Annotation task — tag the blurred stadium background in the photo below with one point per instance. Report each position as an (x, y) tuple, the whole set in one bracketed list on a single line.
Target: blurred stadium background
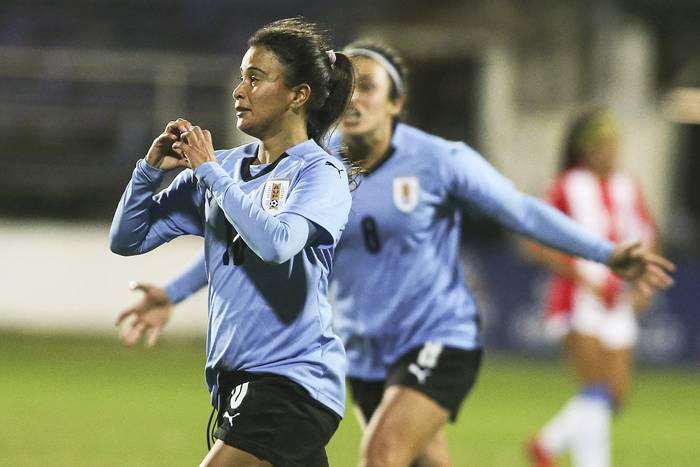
[(85, 86)]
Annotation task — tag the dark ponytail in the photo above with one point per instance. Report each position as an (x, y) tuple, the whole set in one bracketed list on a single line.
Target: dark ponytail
[(302, 48), (340, 86)]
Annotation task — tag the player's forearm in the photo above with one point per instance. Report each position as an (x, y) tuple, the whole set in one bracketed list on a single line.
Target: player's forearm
[(188, 282), (130, 233), (553, 260), (273, 239), (545, 224)]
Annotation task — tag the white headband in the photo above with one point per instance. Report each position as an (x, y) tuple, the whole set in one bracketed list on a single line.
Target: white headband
[(386, 64)]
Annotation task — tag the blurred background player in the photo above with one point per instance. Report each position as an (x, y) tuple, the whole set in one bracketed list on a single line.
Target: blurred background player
[(270, 213), (409, 324), (589, 307)]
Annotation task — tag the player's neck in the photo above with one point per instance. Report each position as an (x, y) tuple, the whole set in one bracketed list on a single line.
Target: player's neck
[(370, 148), (273, 145)]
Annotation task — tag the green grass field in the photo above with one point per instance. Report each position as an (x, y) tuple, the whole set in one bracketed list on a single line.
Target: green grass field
[(88, 401)]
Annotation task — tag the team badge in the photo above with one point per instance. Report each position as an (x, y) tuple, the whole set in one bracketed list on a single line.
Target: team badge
[(406, 193), (274, 195)]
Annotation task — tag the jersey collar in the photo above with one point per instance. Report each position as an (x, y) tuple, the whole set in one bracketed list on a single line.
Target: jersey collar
[(300, 149)]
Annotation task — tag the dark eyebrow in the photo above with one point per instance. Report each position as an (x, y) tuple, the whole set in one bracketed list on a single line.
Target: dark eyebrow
[(252, 68)]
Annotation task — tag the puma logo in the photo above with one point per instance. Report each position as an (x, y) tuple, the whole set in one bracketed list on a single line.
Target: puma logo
[(230, 417), (420, 373), (336, 168)]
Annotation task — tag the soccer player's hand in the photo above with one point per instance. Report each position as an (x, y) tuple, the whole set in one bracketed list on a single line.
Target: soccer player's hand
[(150, 314), (647, 271), (161, 155), (195, 145)]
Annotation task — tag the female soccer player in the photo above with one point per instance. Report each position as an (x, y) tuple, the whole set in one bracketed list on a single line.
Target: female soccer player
[(409, 323), (270, 213), (589, 307)]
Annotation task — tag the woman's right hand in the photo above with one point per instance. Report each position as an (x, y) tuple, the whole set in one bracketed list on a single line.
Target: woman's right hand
[(149, 315), (161, 154), (646, 271)]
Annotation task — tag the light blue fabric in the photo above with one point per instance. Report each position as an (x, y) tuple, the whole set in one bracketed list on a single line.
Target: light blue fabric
[(412, 289), (273, 239), (268, 310), (188, 282)]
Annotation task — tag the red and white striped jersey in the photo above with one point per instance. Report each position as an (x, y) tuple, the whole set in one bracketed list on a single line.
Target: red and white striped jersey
[(611, 207)]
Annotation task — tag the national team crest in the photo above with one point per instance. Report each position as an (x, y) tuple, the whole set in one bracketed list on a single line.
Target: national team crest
[(275, 195), (406, 193)]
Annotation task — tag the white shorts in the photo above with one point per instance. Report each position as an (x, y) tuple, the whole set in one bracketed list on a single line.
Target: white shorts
[(616, 328)]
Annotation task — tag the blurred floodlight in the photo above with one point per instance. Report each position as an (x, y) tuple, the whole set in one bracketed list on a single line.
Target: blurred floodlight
[(682, 105)]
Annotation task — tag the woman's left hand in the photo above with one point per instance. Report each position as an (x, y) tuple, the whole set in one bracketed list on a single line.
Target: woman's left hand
[(647, 271), (196, 146)]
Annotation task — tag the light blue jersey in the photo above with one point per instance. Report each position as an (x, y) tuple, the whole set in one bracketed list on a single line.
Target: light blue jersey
[(263, 316), (398, 281)]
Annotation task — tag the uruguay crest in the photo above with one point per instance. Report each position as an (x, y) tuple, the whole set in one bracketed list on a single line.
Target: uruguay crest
[(406, 193), (275, 195)]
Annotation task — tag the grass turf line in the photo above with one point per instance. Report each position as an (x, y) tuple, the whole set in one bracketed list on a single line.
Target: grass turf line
[(87, 400)]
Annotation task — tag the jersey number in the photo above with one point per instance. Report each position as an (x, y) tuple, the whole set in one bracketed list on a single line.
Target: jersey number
[(237, 395), (371, 235), (235, 246), (429, 354)]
